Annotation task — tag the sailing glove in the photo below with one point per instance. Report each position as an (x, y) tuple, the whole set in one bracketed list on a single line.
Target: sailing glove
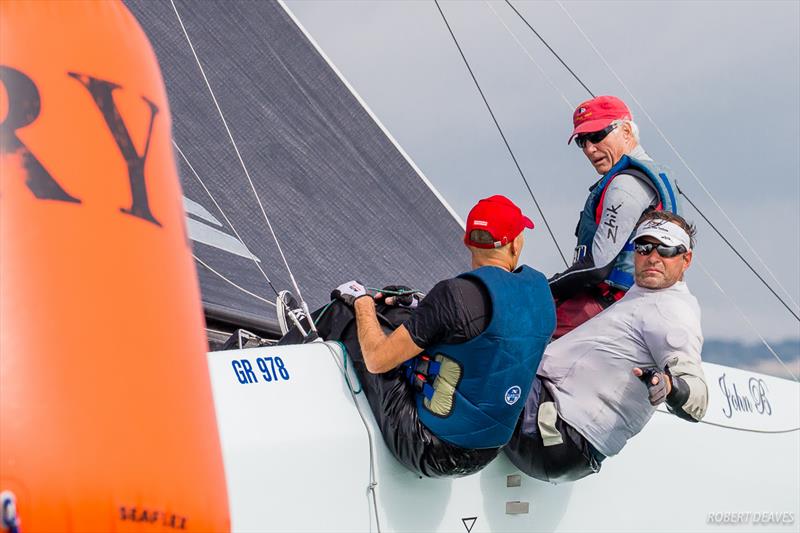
[(657, 393), (401, 296), (349, 292)]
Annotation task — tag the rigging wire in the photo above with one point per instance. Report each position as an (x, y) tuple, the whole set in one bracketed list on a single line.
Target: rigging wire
[(222, 212), (549, 48), (254, 295), (714, 281), (500, 130), (738, 254), (246, 172), (747, 320), (527, 52), (291, 315), (680, 157)]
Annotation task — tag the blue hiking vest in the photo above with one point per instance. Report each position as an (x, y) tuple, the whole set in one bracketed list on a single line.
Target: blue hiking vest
[(621, 276), (471, 394)]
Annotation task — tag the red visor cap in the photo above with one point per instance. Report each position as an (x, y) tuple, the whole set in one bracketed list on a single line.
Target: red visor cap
[(500, 217), (597, 113)]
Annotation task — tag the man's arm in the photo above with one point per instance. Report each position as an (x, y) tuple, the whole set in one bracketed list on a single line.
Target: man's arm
[(381, 352), (625, 201), (672, 333), (583, 272), (689, 396)]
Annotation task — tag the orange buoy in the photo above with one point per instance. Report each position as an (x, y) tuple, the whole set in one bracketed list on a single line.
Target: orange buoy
[(106, 415)]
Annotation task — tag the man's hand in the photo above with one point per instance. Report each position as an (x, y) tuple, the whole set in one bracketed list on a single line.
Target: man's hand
[(349, 292), (400, 296), (658, 383)]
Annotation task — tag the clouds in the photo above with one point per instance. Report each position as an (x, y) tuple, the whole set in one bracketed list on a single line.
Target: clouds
[(721, 79)]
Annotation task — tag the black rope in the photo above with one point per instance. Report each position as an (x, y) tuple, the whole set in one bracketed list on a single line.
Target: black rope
[(550, 48), (767, 431), (499, 129), (753, 270)]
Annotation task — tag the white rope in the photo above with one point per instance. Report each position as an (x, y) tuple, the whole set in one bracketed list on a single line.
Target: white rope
[(254, 295), (675, 151), (222, 212), (372, 479), (241, 160), (524, 49), (747, 320), (290, 312)]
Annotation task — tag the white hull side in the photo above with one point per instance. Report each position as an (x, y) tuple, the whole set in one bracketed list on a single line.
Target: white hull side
[(297, 459)]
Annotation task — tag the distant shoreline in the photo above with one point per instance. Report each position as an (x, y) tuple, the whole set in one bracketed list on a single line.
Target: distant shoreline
[(754, 355)]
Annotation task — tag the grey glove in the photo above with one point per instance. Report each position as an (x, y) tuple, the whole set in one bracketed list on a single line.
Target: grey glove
[(349, 292), (657, 393)]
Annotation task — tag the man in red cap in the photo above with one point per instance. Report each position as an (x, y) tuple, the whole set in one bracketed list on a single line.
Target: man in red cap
[(444, 375), (631, 184)]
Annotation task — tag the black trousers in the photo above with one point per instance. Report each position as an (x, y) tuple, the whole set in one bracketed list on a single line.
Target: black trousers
[(393, 401), (572, 459)]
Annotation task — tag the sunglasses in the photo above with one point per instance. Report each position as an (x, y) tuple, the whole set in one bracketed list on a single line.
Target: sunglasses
[(663, 250), (595, 136)]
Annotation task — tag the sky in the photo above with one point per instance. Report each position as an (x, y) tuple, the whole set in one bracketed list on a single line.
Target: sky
[(720, 79)]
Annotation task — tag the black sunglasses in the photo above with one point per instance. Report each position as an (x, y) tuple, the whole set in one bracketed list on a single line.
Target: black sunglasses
[(595, 136), (663, 250)]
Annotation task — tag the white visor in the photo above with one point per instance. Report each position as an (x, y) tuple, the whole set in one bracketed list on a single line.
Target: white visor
[(666, 232)]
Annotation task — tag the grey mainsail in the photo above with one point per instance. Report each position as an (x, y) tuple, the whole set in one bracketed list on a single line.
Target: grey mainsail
[(343, 200)]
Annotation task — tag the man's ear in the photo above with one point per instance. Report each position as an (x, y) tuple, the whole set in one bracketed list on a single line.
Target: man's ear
[(516, 245), (687, 260), (627, 130)]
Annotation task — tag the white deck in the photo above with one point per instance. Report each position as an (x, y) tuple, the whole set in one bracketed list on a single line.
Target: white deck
[(297, 459)]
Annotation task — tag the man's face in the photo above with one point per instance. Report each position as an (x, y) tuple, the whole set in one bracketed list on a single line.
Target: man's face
[(655, 272), (606, 153)]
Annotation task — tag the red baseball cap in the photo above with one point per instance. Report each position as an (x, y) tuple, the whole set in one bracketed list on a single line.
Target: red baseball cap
[(598, 113), (500, 217)]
